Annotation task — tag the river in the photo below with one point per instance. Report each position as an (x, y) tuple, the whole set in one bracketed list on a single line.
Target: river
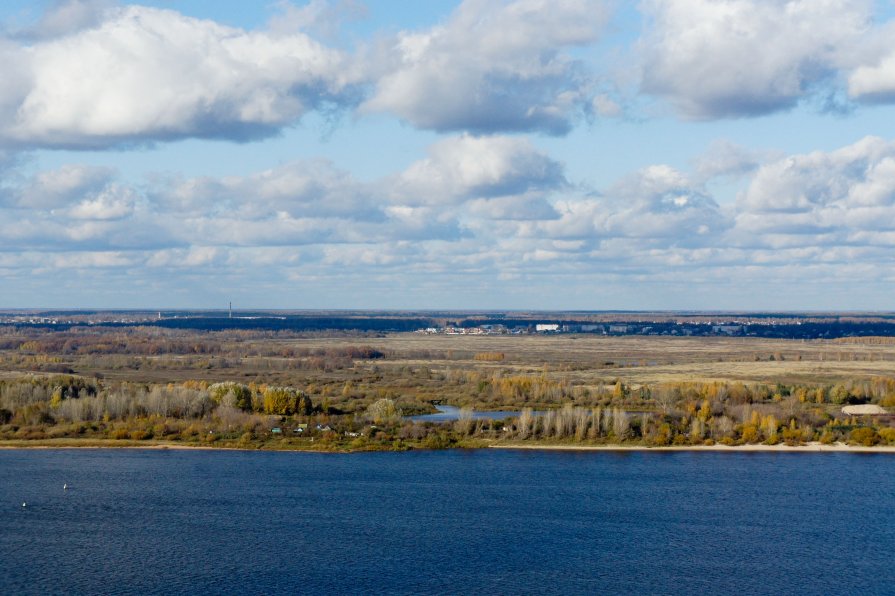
[(443, 522)]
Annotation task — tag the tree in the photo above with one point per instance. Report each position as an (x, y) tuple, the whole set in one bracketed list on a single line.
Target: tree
[(383, 411), (285, 401), (464, 421), (865, 436), (235, 395), (526, 422)]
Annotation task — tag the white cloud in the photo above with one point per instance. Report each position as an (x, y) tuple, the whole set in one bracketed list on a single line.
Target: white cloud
[(319, 16), (872, 78), (823, 216), (493, 66), (465, 167), (844, 195), (312, 188), (142, 74), (727, 160), (65, 17), (60, 187), (732, 58), (113, 202)]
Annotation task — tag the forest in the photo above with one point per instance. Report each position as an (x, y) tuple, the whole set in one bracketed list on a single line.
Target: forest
[(358, 391)]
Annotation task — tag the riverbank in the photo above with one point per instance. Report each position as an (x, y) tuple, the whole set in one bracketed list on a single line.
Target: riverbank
[(153, 445), (814, 447)]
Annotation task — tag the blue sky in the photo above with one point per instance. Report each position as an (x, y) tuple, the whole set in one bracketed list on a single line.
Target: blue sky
[(499, 154)]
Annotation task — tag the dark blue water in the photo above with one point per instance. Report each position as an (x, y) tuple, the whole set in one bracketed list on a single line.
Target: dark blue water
[(487, 521)]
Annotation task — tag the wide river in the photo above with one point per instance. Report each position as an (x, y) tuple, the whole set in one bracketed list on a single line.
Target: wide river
[(490, 521)]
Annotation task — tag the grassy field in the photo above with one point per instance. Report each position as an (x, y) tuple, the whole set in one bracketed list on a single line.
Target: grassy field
[(582, 359), (351, 391), (639, 360)]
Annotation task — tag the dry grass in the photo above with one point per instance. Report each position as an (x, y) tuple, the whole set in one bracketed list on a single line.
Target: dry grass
[(637, 360), (587, 360)]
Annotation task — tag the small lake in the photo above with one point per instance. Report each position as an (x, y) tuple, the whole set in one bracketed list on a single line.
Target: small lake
[(445, 522), (452, 413)]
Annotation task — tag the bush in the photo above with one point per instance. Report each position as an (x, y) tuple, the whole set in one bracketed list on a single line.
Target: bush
[(864, 436), (120, 433), (888, 435), (662, 436)]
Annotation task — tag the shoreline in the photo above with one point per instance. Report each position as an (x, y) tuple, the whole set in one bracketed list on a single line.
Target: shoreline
[(782, 448), (813, 447)]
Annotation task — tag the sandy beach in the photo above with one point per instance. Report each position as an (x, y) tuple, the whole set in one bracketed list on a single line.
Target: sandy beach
[(814, 447), (807, 448)]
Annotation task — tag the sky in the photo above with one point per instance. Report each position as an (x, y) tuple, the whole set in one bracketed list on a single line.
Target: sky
[(448, 154)]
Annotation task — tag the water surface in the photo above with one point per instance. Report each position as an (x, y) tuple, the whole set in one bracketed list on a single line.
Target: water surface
[(452, 413), (487, 521)]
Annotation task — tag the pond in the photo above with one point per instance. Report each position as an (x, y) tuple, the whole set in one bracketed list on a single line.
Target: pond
[(452, 413)]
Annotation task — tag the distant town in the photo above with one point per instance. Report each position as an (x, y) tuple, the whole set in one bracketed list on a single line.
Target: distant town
[(680, 324), (616, 329)]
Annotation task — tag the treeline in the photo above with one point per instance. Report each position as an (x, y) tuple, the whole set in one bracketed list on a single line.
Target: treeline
[(657, 415), (68, 343), (519, 390), (707, 425), (75, 399)]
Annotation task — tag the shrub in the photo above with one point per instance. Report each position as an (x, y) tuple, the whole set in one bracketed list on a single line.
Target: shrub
[(750, 434), (887, 434), (864, 436), (490, 356), (662, 436)]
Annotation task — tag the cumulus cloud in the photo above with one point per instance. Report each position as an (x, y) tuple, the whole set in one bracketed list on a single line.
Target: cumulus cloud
[(660, 202), (64, 17), (844, 195), (509, 217), (726, 160), (312, 188), (872, 76), (113, 202), (494, 66), (320, 16), (465, 167), (95, 74), (733, 58), (60, 187), (136, 74)]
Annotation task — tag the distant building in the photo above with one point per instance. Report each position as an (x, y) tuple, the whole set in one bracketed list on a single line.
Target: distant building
[(618, 329), (546, 327), (727, 329)]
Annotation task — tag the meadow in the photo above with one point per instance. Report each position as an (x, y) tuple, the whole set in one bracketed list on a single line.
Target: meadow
[(354, 390)]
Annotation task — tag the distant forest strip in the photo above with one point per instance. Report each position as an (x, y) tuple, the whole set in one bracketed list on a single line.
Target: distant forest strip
[(810, 328)]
